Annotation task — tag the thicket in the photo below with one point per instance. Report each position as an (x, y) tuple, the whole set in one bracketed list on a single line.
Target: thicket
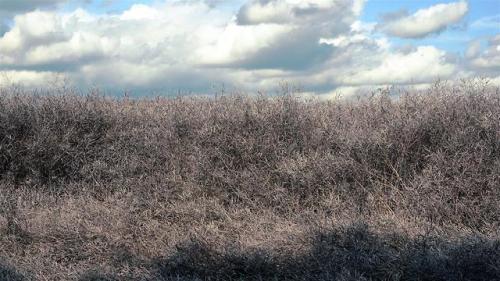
[(434, 156)]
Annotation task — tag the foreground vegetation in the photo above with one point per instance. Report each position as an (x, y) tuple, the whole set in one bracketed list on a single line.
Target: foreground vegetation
[(251, 188)]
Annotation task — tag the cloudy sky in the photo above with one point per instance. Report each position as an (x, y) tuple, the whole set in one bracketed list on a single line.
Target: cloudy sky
[(323, 46)]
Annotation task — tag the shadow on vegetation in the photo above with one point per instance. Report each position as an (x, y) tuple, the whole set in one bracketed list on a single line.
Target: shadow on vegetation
[(8, 273), (96, 276), (352, 253)]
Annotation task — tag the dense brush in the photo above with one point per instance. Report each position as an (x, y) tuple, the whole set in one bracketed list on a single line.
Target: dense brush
[(220, 188)]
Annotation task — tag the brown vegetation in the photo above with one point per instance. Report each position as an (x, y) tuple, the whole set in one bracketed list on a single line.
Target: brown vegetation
[(251, 188)]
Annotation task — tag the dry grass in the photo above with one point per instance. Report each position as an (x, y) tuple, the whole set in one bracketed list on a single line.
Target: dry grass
[(251, 188)]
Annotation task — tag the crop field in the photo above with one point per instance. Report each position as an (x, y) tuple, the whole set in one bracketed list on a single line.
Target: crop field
[(258, 187)]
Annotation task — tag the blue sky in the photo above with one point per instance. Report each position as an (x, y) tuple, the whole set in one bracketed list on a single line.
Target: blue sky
[(453, 39), (324, 46)]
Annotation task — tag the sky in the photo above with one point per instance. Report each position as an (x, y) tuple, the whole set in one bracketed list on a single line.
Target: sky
[(323, 47)]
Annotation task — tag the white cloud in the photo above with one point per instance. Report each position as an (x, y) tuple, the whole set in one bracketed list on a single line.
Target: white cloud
[(421, 65), (26, 78), (32, 29), (39, 38), (236, 42), (426, 21), (141, 12), (489, 59), (81, 45), (344, 40), (495, 81), (321, 45)]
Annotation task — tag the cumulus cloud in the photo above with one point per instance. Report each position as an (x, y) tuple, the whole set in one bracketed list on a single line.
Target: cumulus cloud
[(282, 34), (191, 45), (163, 37), (143, 45), (418, 66), (26, 77), (297, 11), (487, 60), (32, 29), (424, 22)]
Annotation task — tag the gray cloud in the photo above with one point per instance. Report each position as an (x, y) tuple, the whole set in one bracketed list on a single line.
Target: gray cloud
[(4, 27), (293, 52), (394, 15), (289, 12), (16, 6), (306, 22)]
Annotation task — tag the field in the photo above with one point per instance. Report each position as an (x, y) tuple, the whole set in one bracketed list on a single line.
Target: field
[(251, 187)]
